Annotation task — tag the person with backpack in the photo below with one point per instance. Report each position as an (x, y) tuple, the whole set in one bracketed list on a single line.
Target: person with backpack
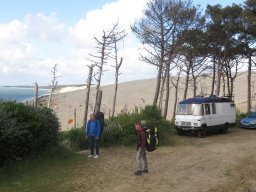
[(93, 130), (141, 150)]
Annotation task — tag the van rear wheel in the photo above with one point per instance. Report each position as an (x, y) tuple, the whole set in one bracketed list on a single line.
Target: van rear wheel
[(225, 129), (202, 132)]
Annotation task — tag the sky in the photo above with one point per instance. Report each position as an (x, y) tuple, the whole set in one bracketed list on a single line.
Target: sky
[(37, 34)]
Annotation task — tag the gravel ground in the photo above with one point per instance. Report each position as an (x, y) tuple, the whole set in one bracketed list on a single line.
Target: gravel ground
[(192, 164)]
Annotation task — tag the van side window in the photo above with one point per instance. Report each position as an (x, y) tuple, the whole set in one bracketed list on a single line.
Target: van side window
[(207, 109), (213, 108)]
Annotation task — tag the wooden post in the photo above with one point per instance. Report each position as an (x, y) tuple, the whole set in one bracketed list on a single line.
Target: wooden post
[(36, 94), (75, 118)]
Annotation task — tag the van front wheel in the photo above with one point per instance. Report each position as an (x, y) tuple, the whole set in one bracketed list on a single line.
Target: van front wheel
[(202, 132)]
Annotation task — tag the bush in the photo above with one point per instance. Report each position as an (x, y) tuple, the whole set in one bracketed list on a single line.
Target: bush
[(25, 131), (120, 130)]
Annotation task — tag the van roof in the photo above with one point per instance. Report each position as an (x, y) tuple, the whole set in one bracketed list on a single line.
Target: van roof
[(210, 99)]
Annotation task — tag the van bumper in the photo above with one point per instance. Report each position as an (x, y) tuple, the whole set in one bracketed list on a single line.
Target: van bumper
[(187, 128)]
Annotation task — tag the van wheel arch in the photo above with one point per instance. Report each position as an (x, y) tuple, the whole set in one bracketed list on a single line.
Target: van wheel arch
[(202, 131)]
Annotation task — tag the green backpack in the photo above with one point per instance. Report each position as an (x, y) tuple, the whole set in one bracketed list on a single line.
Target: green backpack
[(152, 135)]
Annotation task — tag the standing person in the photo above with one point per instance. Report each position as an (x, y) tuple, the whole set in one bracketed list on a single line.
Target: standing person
[(141, 150), (93, 133)]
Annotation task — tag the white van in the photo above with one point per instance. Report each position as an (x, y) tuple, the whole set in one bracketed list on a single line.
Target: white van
[(201, 114)]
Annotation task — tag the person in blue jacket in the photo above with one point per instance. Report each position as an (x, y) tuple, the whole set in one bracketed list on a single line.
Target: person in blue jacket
[(93, 133)]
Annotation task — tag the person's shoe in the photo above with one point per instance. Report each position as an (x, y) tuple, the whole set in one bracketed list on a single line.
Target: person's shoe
[(96, 156), (90, 156), (138, 173), (144, 171)]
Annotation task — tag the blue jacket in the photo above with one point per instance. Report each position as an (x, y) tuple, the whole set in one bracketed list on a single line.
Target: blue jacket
[(93, 128)]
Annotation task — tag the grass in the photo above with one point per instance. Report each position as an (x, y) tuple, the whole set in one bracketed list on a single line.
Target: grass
[(45, 174)]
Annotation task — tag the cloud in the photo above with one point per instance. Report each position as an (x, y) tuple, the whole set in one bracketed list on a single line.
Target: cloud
[(28, 47), (96, 21), (44, 27), (12, 32)]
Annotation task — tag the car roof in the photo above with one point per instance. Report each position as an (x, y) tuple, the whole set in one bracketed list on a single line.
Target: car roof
[(210, 99)]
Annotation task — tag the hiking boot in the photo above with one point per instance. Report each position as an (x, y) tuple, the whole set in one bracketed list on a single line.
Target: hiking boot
[(138, 173), (144, 171), (96, 156), (90, 156)]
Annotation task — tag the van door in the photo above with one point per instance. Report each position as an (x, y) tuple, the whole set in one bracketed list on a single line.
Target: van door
[(207, 114)]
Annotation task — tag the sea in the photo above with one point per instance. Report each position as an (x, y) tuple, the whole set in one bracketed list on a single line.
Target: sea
[(20, 94)]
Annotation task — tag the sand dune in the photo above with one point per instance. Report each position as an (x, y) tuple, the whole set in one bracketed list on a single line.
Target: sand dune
[(130, 95)]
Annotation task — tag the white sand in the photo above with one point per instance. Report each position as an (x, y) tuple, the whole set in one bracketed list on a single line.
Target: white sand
[(70, 89)]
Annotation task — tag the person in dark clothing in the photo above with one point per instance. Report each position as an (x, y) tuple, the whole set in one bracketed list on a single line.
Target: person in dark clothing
[(93, 133), (141, 150)]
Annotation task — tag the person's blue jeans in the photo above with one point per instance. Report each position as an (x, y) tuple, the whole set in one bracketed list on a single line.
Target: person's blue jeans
[(94, 143)]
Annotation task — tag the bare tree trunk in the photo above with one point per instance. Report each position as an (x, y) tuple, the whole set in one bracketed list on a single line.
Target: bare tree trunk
[(36, 95), (158, 84), (176, 85), (88, 89), (167, 91), (114, 99), (219, 74), (194, 86), (213, 74), (186, 82), (224, 85), (100, 69), (117, 67), (249, 84), (161, 98), (50, 98), (98, 101)]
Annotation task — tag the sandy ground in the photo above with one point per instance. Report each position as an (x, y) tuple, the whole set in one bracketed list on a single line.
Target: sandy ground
[(193, 164), (130, 95)]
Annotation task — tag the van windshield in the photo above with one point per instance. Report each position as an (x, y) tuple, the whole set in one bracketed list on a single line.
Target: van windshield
[(190, 109)]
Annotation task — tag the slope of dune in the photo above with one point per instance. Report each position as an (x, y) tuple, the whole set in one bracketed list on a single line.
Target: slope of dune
[(133, 94)]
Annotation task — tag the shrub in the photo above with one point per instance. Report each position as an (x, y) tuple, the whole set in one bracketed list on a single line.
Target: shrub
[(74, 139), (120, 129), (25, 131)]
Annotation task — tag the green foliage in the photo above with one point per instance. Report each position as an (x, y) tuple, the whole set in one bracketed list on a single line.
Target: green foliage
[(74, 139), (120, 130), (151, 113), (25, 131)]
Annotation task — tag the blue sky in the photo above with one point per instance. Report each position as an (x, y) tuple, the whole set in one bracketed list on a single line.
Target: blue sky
[(36, 34)]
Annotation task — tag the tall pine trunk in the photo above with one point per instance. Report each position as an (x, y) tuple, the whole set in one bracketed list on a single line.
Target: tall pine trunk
[(167, 91), (249, 84)]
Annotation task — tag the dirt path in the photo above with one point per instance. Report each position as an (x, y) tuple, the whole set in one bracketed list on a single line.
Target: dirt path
[(214, 163)]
